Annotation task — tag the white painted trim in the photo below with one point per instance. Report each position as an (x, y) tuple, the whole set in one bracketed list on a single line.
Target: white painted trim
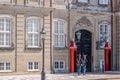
[(59, 65), (32, 66)]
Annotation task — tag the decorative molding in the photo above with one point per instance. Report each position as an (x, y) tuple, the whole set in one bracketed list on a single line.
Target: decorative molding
[(84, 21)]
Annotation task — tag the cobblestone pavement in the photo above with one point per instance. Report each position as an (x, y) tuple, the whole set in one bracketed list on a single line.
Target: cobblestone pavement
[(64, 77)]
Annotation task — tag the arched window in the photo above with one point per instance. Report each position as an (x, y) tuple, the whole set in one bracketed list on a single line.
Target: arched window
[(59, 33), (104, 34), (32, 32), (5, 31)]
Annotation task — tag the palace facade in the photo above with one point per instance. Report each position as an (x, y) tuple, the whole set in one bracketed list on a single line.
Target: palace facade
[(21, 22)]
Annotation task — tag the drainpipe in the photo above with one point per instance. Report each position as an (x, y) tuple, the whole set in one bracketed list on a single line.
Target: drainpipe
[(112, 17), (15, 42), (68, 16), (51, 47)]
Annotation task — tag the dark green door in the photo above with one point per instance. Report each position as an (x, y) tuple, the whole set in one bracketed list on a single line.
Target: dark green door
[(84, 46)]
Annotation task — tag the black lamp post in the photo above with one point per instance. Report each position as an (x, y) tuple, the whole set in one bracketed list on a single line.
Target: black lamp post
[(43, 33), (78, 35)]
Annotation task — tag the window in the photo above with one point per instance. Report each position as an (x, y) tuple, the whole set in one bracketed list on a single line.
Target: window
[(5, 31), (104, 34), (32, 66), (34, 2), (103, 2), (59, 33), (7, 1), (33, 25), (5, 67), (59, 65), (83, 1), (59, 1)]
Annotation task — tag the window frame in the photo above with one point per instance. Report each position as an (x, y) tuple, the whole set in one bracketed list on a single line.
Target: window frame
[(57, 33), (33, 33), (103, 2), (58, 61), (40, 3), (7, 2), (107, 35), (59, 1), (5, 67), (5, 32), (33, 66), (83, 1)]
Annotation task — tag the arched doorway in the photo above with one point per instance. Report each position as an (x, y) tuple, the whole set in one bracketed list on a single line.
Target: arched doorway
[(84, 45)]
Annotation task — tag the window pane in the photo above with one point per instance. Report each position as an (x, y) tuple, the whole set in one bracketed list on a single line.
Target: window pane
[(82, 0), (1, 66), (35, 65), (36, 40), (7, 66), (61, 65), (56, 65), (30, 65)]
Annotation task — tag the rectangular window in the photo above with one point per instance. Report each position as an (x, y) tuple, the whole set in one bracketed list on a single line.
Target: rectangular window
[(104, 35), (5, 32), (59, 65), (32, 66), (103, 2), (33, 33), (59, 33), (83, 1), (34, 2), (7, 1), (61, 1), (5, 67)]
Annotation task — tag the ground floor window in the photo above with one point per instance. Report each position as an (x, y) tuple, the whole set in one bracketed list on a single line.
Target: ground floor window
[(59, 65), (5, 67), (33, 66)]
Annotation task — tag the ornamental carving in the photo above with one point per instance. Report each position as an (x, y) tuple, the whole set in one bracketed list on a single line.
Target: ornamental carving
[(84, 21)]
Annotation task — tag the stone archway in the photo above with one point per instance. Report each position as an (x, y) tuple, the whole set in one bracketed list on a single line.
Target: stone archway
[(84, 45)]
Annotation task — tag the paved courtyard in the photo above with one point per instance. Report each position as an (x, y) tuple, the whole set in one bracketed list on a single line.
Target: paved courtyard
[(74, 76)]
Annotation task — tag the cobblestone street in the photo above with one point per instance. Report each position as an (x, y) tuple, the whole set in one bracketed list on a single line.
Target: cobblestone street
[(64, 77)]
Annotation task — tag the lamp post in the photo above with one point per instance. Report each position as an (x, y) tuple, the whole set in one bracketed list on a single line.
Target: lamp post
[(78, 34), (43, 33)]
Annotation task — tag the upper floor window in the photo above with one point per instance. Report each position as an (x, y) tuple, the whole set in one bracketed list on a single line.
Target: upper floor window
[(103, 2), (104, 34), (83, 1), (59, 33), (5, 31), (32, 32)]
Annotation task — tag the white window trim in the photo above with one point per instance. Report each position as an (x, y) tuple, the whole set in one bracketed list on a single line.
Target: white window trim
[(32, 66), (8, 2), (39, 39), (5, 67), (64, 34), (102, 2), (7, 17), (59, 65), (59, 1), (40, 3), (82, 1), (109, 32)]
